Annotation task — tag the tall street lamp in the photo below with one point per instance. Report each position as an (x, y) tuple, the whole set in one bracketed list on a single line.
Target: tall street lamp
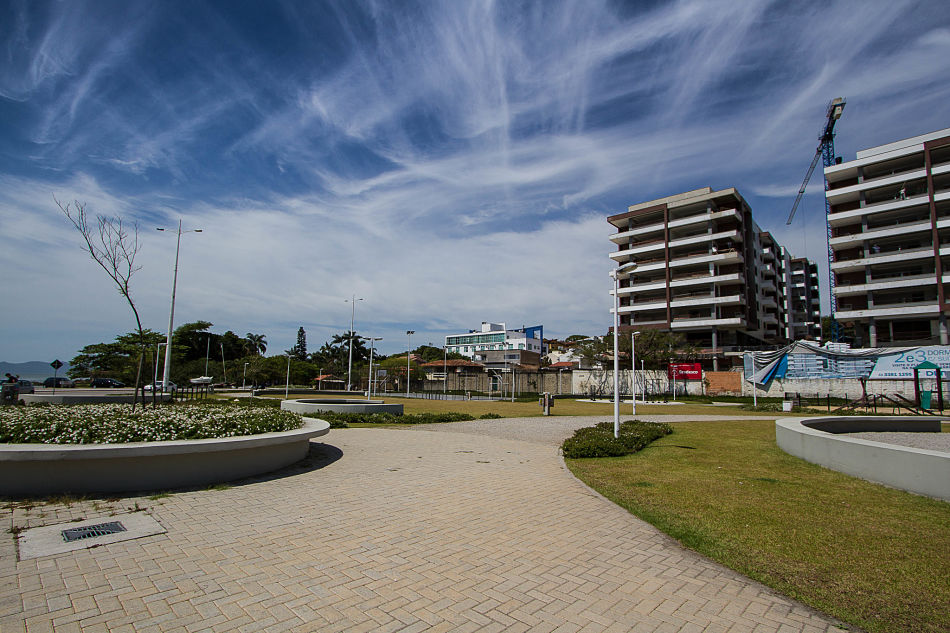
[(244, 377), (372, 344), (445, 367), (349, 368), (409, 333), (158, 347), (615, 275), (287, 383), (633, 367), (171, 315)]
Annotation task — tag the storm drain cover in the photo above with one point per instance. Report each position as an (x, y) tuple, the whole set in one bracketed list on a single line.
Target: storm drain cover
[(92, 531), (59, 538)]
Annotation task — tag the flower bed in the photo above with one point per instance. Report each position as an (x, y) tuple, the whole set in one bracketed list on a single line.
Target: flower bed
[(103, 448), (117, 424)]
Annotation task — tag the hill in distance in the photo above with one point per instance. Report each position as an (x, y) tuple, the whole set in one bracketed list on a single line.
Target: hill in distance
[(31, 370)]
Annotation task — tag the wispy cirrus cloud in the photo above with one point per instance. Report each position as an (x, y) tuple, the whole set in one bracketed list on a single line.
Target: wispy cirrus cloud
[(451, 162)]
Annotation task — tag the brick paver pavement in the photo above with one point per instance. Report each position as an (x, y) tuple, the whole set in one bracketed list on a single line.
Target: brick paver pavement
[(387, 530)]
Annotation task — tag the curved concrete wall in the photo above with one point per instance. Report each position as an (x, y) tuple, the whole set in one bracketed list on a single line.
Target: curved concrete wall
[(916, 470), (35, 469), (316, 405), (90, 398)]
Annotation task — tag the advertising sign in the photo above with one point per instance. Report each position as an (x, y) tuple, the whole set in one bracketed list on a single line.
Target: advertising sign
[(685, 371), (901, 366)]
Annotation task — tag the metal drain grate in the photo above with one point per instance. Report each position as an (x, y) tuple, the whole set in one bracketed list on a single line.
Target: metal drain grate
[(91, 531)]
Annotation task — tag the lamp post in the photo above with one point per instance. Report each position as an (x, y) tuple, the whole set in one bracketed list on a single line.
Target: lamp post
[(445, 367), (207, 352), (244, 377), (615, 275), (409, 333), (287, 383), (158, 347), (372, 344), (349, 368), (633, 367), (224, 367), (171, 315)]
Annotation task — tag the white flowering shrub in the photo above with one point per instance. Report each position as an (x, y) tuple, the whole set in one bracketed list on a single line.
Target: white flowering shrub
[(116, 423)]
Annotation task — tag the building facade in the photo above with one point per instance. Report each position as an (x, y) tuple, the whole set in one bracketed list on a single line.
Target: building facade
[(889, 222), (704, 269), (495, 336)]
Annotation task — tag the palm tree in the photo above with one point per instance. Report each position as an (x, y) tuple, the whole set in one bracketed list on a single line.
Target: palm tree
[(256, 343)]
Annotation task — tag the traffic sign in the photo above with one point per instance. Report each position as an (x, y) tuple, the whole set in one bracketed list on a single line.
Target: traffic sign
[(56, 364)]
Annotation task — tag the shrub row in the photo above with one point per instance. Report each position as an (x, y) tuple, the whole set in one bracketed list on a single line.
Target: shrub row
[(340, 420), (599, 440)]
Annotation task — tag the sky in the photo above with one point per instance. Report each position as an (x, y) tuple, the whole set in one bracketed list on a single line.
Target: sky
[(447, 162)]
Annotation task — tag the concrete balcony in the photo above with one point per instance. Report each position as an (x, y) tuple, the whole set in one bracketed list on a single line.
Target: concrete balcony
[(658, 227), (883, 258), (706, 301), (925, 308), (848, 217), (717, 280), (706, 322), (896, 230), (910, 281), (853, 192)]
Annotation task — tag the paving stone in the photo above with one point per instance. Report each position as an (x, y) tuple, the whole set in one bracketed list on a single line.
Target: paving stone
[(444, 528)]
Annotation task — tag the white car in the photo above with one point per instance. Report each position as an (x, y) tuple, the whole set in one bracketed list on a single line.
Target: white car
[(158, 387)]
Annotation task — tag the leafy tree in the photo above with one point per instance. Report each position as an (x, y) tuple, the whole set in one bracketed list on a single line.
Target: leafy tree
[(430, 354), (118, 359), (574, 338), (591, 351), (192, 341)]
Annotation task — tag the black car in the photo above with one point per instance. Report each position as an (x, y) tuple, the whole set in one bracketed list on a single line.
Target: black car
[(106, 382), (60, 381)]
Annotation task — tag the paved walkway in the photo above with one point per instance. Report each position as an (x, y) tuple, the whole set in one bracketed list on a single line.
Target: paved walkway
[(389, 530)]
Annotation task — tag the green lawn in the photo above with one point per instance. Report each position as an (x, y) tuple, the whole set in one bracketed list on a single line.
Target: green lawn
[(509, 409), (869, 555)]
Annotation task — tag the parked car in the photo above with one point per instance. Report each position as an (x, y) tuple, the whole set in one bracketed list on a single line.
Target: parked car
[(106, 382), (158, 387), (59, 381), (24, 386)]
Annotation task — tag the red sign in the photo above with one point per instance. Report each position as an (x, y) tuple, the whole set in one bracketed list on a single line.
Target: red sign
[(685, 371)]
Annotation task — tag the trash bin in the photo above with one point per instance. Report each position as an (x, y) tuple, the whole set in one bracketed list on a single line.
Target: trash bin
[(925, 398), (787, 405)]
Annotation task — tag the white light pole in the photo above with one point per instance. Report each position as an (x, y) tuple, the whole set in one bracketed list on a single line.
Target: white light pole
[(372, 345), (445, 367), (409, 333), (244, 377), (349, 368), (224, 367), (633, 367), (615, 275), (207, 353), (287, 383), (158, 347), (171, 315)]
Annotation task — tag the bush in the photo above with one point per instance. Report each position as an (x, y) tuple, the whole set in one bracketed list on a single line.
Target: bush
[(599, 440), (489, 416)]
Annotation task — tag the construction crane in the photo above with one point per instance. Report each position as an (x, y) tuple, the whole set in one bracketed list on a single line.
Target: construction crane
[(826, 151)]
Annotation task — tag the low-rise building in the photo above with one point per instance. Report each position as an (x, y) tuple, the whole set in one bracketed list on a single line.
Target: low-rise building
[(495, 336)]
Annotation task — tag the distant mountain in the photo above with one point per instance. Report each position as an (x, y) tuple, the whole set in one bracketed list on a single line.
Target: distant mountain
[(31, 370)]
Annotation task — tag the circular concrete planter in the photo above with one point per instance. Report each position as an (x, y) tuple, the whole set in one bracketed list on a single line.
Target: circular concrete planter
[(86, 398), (36, 469), (921, 471), (319, 405)]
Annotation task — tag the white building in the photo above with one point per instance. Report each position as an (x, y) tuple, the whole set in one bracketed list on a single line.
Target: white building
[(495, 336)]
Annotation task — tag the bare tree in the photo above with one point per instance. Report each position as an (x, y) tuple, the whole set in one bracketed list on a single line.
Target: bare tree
[(113, 246)]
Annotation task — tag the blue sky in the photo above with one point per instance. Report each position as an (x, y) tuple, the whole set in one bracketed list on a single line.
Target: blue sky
[(448, 162)]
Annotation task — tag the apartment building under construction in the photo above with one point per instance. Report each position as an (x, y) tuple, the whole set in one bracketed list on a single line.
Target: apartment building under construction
[(890, 238), (706, 270)]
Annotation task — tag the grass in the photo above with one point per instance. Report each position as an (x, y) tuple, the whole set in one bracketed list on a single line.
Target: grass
[(508, 409), (866, 554)]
